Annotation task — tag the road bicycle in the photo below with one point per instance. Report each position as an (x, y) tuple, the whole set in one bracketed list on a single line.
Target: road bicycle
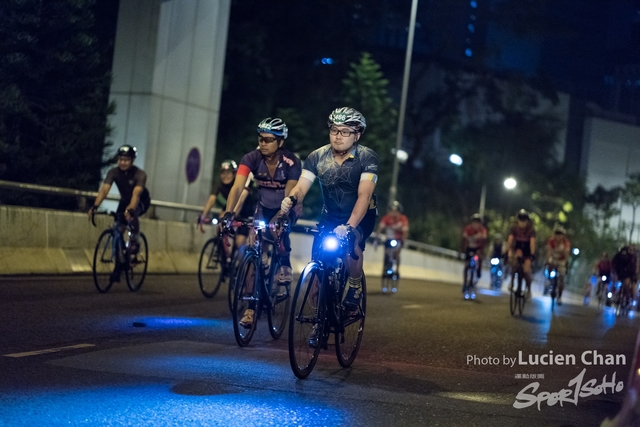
[(603, 290), (219, 261), (623, 302), (470, 275), (496, 273), (317, 310), (551, 273), (256, 288), (113, 256), (517, 298), (391, 267)]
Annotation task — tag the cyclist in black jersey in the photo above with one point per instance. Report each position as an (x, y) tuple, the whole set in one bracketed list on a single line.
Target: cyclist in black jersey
[(275, 171), (347, 172), (134, 196), (218, 198)]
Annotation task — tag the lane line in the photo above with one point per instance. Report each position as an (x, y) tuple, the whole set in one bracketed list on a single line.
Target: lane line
[(48, 350)]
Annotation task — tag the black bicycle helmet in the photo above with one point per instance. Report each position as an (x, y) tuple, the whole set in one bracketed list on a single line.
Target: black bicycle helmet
[(523, 215), (229, 165), (127, 151)]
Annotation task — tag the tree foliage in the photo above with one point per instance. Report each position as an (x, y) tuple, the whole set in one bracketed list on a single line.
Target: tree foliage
[(54, 89)]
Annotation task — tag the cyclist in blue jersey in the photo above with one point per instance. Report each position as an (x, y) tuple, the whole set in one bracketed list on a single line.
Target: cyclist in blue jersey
[(275, 171), (347, 172)]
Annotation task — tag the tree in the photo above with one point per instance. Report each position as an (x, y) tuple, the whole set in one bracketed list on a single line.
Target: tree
[(54, 86), (603, 202), (631, 197), (365, 89)]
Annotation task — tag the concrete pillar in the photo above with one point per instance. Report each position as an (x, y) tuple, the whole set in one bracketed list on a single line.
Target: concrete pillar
[(168, 71)]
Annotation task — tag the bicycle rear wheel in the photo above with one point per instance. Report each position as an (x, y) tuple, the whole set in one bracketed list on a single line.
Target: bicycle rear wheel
[(137, 265), (247, 293), (104, 262), (349, 332), (210, 263), (306, 319), (280, 302)]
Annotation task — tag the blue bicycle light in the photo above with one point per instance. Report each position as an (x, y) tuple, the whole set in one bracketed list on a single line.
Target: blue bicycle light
[(495, 261), (393, 243), (214, 221), (330, 243), (552, 274)]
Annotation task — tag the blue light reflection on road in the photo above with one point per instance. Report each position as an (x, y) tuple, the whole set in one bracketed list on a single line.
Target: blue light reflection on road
[(122, 406)]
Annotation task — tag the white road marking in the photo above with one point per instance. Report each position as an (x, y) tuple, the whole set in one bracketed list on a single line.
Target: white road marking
[(48, 350), (412, 306)]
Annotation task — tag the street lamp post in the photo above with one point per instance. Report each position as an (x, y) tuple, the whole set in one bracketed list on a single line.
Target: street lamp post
[(393, 190)]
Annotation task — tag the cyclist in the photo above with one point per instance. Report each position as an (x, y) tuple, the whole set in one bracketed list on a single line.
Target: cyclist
[(276, 171), (603, 269), (474, 237), (624, 266), (396, 227), (134, 196), (557, 255), (218, 198), (522, 243), (347, 172)]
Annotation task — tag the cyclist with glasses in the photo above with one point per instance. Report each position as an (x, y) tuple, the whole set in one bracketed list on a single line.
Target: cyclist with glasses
[(134, 196), (218, 199), (276, 171), (347, 172), (557, 254), (522, 244)]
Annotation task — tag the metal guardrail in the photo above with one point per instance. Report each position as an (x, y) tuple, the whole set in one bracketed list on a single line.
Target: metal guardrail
[(46, 189)]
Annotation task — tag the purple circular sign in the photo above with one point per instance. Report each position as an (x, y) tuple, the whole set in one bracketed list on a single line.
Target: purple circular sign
[(193, 165)]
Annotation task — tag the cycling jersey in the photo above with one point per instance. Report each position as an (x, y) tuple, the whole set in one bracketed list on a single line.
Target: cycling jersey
[(222, 194), (339, 183), (522, 238), (271, 188), (476, 237), (126, 181), (624, 264), (558, 250), (395, 227), (604, 267)]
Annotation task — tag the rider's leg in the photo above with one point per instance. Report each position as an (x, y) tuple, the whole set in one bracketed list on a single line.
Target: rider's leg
[(479, 268), (354, 266)]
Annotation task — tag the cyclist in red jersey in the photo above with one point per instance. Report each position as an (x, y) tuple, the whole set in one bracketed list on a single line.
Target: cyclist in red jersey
[(522, 243), (557, 254), (395, 226), (474, 237)]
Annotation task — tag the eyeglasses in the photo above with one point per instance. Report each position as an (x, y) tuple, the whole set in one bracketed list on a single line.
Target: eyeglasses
[(267, 139), (344, 132)]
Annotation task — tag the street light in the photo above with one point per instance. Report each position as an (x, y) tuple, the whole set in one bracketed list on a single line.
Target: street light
[(510, 183), (455, 159), (393, 190)]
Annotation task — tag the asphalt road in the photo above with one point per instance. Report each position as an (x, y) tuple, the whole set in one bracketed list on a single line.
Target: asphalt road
[(71, 356)]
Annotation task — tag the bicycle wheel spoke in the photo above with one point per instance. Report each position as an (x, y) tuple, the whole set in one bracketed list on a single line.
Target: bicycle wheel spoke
[(137, 265), (349, 333), (245, 300), (103, 262), (280, 301), (306, 323), (209, 272)]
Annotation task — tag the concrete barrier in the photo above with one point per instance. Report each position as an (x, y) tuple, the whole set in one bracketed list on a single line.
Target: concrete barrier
[(43, 241)]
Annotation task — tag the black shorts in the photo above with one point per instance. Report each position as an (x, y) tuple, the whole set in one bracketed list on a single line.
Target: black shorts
[(525, 247)]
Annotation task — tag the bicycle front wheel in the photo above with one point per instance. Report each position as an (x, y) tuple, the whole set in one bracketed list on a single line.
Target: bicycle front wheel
[(280, 302), (247, 293), (306, 322), (210, 262), (104, 262), (137, 270), (521, 295), (233, 275), (349, 332)]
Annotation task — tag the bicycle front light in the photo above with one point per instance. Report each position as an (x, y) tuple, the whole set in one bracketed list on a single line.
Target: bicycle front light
[(214, 221), (610, 295), (552, 274), (393, 243), (604, 278), (495, 261), (330, 243)]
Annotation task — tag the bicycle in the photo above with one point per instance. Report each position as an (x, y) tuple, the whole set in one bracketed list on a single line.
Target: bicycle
[(624, 298), (517, 297), (317, 310), (551, 273), (255, 284), (214, 258), (603, 290), (470, 273), (113, 256), (496, 274), (390, 272)]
